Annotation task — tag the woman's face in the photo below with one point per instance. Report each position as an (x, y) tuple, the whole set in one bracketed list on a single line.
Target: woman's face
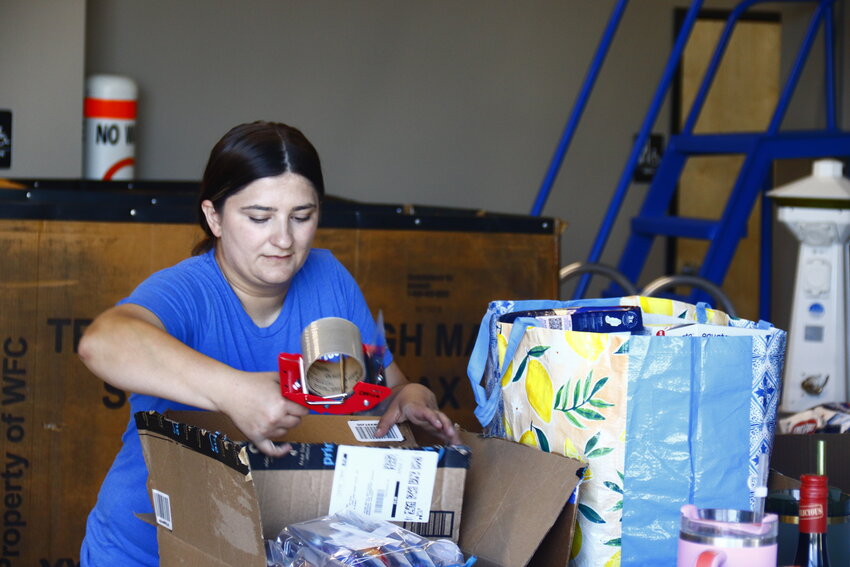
[(265, 232)]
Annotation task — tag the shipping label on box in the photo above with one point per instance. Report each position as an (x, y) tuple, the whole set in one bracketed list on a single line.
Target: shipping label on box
[(421, 489), (388, 484)]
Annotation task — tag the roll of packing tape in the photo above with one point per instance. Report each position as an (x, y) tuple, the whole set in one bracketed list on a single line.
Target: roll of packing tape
[(333, 356)]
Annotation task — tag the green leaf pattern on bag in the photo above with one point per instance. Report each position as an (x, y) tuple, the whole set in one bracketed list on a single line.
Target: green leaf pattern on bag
[(618, 488), (542, 441), (582, 394), (591, 451), (589, 379), (590, 514)]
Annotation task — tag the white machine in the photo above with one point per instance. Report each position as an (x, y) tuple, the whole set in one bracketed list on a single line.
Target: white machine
[(817, 211)]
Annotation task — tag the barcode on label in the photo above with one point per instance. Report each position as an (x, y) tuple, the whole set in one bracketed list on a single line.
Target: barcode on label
[(412, 492), (379, 501), (440, 524), (162, 508), (410, 508), (364, 430), (390, 462)]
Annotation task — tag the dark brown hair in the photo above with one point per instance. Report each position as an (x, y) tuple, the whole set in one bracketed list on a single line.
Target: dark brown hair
[(249, 152)]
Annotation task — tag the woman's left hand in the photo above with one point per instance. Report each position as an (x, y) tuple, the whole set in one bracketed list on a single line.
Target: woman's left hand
[(418, 405)]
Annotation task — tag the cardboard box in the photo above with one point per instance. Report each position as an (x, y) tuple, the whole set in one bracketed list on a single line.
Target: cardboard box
[(222, 506), (515, 504), (70, 249)]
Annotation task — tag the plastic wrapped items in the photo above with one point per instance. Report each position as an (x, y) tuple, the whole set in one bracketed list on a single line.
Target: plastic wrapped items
[(352, 539), (825, 418)]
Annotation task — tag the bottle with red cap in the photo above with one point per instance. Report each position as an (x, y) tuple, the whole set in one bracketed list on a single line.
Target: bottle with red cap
[(811, 547)]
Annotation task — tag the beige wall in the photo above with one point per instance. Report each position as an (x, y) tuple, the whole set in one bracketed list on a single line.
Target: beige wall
[(41, 81)]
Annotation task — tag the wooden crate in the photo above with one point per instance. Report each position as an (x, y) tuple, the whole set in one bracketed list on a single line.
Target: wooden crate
[(433, 287), (69, 253), (63, 424)]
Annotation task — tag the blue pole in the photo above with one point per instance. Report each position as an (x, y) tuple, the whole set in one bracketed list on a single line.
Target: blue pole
[(766, 254), (797, 69), (578, 108), (637, 149), (711, 70), (829, 64)]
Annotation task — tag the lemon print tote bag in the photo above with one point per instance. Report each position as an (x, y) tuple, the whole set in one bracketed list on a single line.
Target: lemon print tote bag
[(681, 413)]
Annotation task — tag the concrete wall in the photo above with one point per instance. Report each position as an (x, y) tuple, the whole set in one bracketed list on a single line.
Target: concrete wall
[(432, 102), (41, 81)]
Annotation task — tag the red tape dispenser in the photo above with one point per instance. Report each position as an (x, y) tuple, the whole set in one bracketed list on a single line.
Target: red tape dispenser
[(337, 373)]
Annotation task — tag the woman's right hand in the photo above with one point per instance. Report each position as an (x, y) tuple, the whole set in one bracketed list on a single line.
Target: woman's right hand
[(258, 409), (128, 347)]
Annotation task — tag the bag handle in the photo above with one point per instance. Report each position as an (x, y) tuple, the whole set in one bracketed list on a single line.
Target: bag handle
[(478, 362), (518, 329), (701, 308), (486, 410), (487, 406)]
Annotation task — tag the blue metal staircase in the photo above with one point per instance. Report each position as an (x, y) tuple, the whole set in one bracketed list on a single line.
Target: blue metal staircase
[(759, 150)]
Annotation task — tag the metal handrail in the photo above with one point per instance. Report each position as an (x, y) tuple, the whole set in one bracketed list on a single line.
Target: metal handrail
[(642, 137), (578, 108), (672, 62), (823, 15)]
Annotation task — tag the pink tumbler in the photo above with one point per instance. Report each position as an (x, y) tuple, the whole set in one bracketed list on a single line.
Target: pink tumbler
[(726, 538)]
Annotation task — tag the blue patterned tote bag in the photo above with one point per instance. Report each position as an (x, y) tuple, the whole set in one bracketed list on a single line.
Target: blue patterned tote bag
[(684, 413)]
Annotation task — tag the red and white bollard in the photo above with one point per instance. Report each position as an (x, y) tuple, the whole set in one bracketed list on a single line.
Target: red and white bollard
[(110, 124)]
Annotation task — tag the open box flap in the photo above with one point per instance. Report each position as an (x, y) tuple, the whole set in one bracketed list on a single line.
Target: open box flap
[(197, 486), (513, 500), (313, 428)]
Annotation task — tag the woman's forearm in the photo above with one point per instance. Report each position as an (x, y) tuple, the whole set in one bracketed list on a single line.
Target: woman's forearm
[(127, 347)]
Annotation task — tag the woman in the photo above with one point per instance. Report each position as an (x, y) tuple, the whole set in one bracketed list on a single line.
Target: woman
[(206, 332)]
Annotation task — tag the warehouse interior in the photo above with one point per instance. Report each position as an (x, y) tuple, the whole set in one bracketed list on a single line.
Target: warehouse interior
[(426, 105)]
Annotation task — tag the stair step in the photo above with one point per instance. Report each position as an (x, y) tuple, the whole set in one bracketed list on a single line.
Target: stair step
[(683, 227), (692, 144)]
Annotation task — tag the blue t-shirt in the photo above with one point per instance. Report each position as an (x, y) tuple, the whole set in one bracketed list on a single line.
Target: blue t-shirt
[(197, 306)]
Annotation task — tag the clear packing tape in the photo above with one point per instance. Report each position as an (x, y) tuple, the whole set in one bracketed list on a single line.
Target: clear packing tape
[(333, 356), (335, 372), (349, 538)]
